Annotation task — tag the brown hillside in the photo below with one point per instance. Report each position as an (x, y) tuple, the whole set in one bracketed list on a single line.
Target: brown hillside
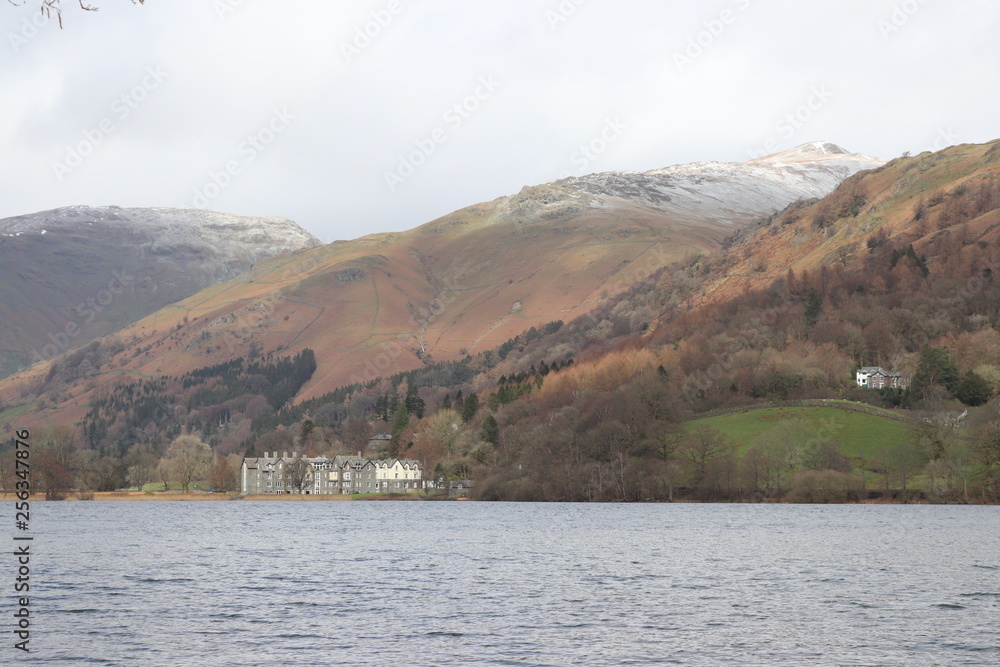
[(460, 284), (830, 233)]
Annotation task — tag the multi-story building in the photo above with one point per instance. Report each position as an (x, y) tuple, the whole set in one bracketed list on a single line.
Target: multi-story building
[(874, 377), (320, 475)]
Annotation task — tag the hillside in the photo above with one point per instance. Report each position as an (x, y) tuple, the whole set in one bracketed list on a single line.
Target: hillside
[(895, 268), (458, 285), (71, 275)]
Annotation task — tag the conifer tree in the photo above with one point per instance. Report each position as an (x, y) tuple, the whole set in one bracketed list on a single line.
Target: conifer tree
[(470, 407)]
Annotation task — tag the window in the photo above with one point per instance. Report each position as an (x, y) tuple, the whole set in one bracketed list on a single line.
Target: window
[(347, 475)]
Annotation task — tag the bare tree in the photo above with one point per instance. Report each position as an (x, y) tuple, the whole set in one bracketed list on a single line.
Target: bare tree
[(140, 464), (50, 7), (188, 458), (162, 474), (224, 477), (844, 252), (297, 474), (936, 431), (703, 446)]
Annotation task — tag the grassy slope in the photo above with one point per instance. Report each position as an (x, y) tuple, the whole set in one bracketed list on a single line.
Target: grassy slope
[(859, 434)]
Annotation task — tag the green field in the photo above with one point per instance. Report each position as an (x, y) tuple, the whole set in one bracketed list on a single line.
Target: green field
[(859, 434)]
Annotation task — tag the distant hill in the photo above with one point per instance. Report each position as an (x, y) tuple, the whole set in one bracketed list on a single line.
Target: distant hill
[(581, 391), (73, 274), (472, 279)]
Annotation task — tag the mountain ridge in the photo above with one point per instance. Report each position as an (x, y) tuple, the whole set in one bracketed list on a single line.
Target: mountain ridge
[(457, 285), (75, 273)]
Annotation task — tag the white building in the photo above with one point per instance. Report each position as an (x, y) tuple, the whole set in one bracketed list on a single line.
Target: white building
[(273, 474), (876, 377)]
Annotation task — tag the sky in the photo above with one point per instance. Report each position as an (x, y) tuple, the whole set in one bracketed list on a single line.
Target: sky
[(358, 117)]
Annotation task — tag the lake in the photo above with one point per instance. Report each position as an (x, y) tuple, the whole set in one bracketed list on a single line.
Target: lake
[(464, 583)]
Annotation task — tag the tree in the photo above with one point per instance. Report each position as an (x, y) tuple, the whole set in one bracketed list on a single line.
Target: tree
[(140, 464), (814, 305), (935, 432), (986, 450), (414, 404), (48, 7), (306, 430), (188, 459), (297, 474), (845, 251), (934, 368), (470, 407), (701, 447), (50, 476), (399, 423), (441, 435), (224, 478), (162, 474), (356, 432), (491, 430), (973, 389), (103, 474)]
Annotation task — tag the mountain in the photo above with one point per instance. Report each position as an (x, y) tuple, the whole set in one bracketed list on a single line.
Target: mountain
[(73, 274), (458, 285), (710, 378)]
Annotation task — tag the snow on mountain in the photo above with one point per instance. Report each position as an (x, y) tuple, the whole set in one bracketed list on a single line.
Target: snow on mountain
[(55, 265), (155, 230), (727, 192)]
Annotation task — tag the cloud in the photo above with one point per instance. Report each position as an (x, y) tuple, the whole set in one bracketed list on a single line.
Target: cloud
[(367, 82)]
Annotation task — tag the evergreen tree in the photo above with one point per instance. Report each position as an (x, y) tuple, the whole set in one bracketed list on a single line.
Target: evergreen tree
[(470, 407), (934, 367), (491, 430), (973, 389), (414, 404), (446, 402), (306, 430), (814, 304), (399, 423)]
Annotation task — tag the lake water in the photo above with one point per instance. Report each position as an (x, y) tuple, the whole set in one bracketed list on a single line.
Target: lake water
[(421, 583)]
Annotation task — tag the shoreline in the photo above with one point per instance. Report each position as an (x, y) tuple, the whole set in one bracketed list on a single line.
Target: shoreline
[(158, 496)]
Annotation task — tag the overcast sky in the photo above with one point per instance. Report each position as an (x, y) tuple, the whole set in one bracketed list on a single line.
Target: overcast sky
[(368, 116)]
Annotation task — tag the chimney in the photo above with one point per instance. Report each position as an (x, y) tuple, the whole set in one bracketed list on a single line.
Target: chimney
[(359, 454), (284, 455)]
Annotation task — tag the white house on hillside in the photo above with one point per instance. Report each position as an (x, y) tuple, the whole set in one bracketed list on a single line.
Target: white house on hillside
[(876, 377)]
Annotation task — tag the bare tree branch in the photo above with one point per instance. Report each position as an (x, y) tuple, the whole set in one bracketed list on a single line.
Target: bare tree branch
[(47, 7)]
